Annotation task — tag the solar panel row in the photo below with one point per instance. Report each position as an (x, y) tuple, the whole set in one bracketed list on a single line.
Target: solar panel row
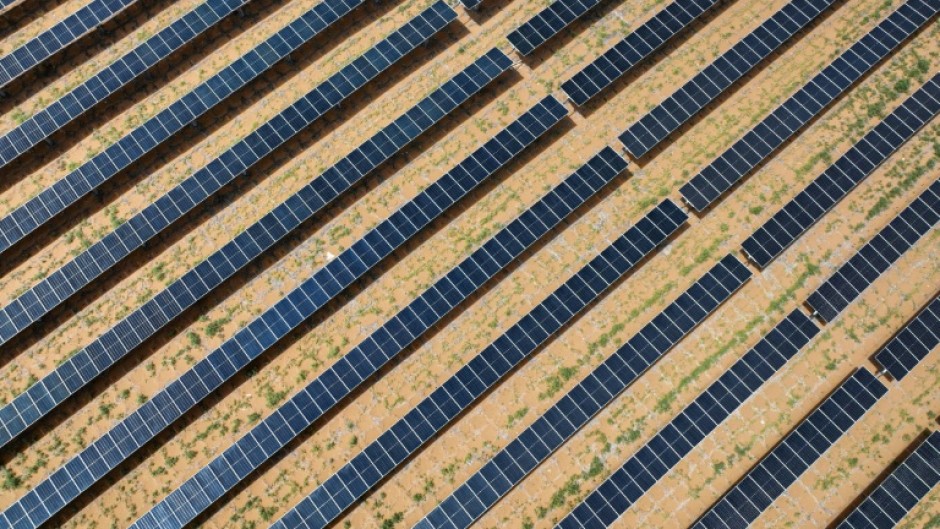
[(537, 442), (471, 4), (783, 123), (724, 71), (873, 259), (783, 465), (699, 419), (900, 491), (198, 282), (115, 246), (635, 47), (804, 210), (547, 23), (909, 346), (394, 446), (138, 428), (351, 370), (41, 125)]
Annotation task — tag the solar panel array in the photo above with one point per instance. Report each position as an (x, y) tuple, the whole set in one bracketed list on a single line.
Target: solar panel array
[(909, 346), (873, 259), (117, 74), (694, 423), (394, 446), (205, 376), (112, 248), (471, 4), (780, 468), (534, 445), (547, 23), (635, 47), (900, 491), (351, 370), (195, 284), (804, 210), (784, 122), (724, 71)]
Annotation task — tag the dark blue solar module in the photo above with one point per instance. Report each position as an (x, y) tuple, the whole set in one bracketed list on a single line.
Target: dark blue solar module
[(534, 445), (780, 468), (350, 371), (697, 421), (471, 4), (138, 428), (731, 66), (635, 47), (547, 23), (117, 74), (115, 246), (787, 119), (798, 215), (909, 346), (853, 277), (901, 490), (196, 284), (158, 129), (472, 380)]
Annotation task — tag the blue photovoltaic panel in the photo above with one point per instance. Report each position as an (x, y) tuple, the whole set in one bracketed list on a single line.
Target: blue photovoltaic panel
[(635, 47), (534, 445), (697, 421), (112, 248), (471, 4), (207, 375), (196, 284), (780, 468), (547, 23), (350, 371), (109, 80), (901, 490), (731, 66), (853, 277), (156, 130), (779, 232), (912, 343), (472, 380), (787, 119)]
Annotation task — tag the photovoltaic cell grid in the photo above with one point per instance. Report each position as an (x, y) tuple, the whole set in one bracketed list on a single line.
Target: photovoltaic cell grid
[(171, 120), (901, 490), (699, 419), (534, 445), (394, 446), (784, 122), (198, 382), (117, 74), (800, 448), (900, 355), (798, 215), (196, 283), (731, 66), (471, 4), (131, 235), (635, 47), (547, 23), (873, 259), (313, 401)]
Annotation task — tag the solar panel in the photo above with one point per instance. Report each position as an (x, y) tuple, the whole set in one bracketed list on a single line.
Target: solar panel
[(471, 4), (901, 490), (731, 66), (106, 82), (351, 370), (473, 379), (780, 468), (534, 445), (127, 237), (156, 130), (873, 259), (698, 420), (909, 346), (547, 23), (635, 47), (798, 215), (196, 283), (787, 119), (138, 428)]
